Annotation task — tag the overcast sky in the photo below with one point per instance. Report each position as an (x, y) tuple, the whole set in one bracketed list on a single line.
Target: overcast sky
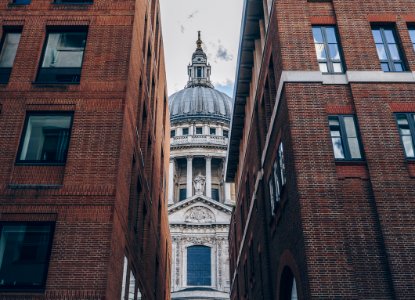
[(219, 21)]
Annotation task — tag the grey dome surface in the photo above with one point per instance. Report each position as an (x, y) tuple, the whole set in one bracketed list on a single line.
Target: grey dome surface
[(200, 102)]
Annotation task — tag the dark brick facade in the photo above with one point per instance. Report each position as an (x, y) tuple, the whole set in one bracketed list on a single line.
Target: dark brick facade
[(108, 200), (342, 229)]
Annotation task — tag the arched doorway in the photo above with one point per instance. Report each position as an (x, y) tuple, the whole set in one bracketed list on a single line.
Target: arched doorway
[(288, 286)]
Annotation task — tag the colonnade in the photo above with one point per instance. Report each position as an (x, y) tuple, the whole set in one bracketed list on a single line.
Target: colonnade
[(189, 179)]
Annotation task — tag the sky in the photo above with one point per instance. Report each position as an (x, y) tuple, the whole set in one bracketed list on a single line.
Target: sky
[(219, 22)]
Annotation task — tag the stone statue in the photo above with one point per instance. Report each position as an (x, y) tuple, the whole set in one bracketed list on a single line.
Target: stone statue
[(199, 184)]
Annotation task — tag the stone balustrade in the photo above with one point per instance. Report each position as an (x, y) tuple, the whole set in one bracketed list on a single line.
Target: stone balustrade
[(191, 140)]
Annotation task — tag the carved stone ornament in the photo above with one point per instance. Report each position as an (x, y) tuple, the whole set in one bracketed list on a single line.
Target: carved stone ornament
[(199, 214), (199, 184)]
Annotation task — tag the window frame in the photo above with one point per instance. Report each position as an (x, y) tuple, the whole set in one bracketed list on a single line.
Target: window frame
[(206, 247), (212, 129), (199, 128), (277, 179), (389, 60), (329, 61), (225, 133), (410, 117), (172, 133), (52, 226), (187, 131), (76, 76), (344, 137), (5, 70), (23, 135)]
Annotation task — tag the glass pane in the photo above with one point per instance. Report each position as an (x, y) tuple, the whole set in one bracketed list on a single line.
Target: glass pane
[(385, 67), (350, 126), (403, 125), (337, 147), (381, 52), (377, 37), (337, 68), (323, 67), (198, 266), (46, 138), (398, 67), (390, 38), (354, 148), (334, 126), (412, 35), (408, 145), (318, 37), (64, 50), (9, 49), (24, 252), (334, 52), (331, 35), (321, 52), (393, 49)]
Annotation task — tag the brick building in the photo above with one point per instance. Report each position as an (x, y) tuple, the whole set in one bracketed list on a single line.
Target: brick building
[(83, 151), (322, 151)]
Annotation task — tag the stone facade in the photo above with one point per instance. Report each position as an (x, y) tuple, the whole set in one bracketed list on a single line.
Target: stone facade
[(106, 201), (310, 222), (200, 202)]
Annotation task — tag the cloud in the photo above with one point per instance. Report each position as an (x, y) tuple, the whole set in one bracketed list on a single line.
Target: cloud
[(182, 29), (225, 86), (223, 54)]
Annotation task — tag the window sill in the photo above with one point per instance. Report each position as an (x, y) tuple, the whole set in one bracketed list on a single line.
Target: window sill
[(36, 163), (350, 162)]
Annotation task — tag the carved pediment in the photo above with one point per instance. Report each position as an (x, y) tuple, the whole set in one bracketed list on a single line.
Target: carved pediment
[(199, 214)]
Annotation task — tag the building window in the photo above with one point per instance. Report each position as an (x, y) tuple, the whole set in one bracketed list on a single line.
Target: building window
[(344, 137), (198, 266), (9, 45), (199, 72), (215, 194), (185, 131), (212, 131), (327, 49), (182, 194), (199, 130), (412, 35), (225, 133), (21, 2), (406, 124), (388, 49), (45, 138), (62, 57), (277, 179), (24, 255), (172, 133)]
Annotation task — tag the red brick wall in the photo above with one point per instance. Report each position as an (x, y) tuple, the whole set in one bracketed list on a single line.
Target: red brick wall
[(94, 194), (344, 230)]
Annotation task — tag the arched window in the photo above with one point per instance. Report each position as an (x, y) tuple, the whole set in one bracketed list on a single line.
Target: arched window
[(198, 266), (288, 286)]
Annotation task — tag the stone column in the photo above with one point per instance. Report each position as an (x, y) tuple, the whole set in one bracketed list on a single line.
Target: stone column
[(208, 176), (189, 185), (171, 182), (206, 128), (227, 192)]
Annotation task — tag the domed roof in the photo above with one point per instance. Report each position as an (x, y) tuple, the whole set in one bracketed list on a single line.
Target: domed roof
[(200, 102), (199, 99)]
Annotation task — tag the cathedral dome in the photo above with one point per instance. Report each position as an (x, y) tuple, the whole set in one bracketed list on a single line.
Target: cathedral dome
[(199, 99), (200, 102)]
